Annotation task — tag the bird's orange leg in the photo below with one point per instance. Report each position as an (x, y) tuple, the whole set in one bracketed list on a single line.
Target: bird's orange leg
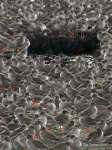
[(100, 141), (83, 35), (60, 128), (60, 34), (14, 33), (33, 100), (100, 110), (22, 30), (17, 49), (2, 88), (4, 120), (54, 114), (68, 30), (38, 137), (49, 128), (36, 102), (88, 131), (70, 35), (93, 146), (87, 100), (33, 35), (73, 34)]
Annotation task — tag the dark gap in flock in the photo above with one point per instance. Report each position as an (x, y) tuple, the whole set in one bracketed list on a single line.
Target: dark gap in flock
[(64, 45)]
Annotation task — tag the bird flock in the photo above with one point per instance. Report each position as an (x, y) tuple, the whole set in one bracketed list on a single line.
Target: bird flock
[(66, 100)]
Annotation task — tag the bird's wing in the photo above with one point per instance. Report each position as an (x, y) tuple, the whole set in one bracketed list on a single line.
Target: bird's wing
[(16, 69), (59, 117), (108, 131), (103, 102), (88, 112), (101, 115), (38, 144), (91, 135), (89, 121), (52, 136), (90, 14)]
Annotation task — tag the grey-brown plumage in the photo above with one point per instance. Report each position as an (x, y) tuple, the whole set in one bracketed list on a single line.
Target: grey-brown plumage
[(13, 76), (4, 131), (16, 69), (13, 125), (5, 110), (47, 136), (62, 146), (12, 106), (20, 141), (95, 136), (70, 92), (22, 103), (60, 86), (108, 140), (24, 120), (52, 93), (69, 127), (109, 122), (15, 132), (74, 141), (91, 110), (6, 144), (106, 114), (101, 93), (5, 81), (100, 101), (101, 124), (34, 143), (50, 106), (51, 121), (57, 100), (73, 82), (66, 105), (30, 130), (19, 110), (78, 101), (63, 117), (86, 120), (108, 131)]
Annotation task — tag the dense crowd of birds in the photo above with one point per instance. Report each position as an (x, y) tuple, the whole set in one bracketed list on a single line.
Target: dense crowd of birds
[(47, 18), (58, 87)]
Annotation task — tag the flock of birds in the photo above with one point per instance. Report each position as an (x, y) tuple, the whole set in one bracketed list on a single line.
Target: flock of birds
[(62, 90), (48, 17)]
